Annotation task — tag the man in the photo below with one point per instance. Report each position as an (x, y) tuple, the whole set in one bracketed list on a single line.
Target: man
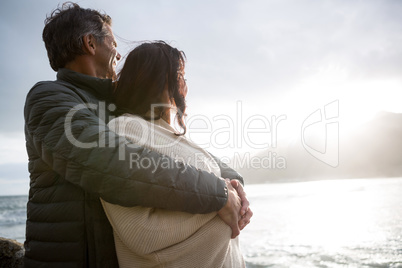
[(74, 159)]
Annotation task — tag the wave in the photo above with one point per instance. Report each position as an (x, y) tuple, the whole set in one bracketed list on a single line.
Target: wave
[(13, 210), (13, 217)]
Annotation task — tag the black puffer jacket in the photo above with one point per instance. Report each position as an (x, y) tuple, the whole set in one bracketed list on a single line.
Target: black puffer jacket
[(74, 159)]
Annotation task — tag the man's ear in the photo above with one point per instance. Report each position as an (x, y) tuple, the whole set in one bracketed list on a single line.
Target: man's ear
[(89, 44)]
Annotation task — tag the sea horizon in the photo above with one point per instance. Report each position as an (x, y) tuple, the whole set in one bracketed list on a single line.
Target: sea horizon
[(282, 180)]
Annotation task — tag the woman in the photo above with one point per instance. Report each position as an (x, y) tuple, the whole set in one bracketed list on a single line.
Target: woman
[(150, 94)]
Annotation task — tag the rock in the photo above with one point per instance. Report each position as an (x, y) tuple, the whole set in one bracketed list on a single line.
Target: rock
[(11, 253)]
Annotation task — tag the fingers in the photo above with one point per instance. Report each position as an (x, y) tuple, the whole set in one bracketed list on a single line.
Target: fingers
[(235, 231), (230, 212), (245, 211), (245, 219), (242, 194), (236, 213)]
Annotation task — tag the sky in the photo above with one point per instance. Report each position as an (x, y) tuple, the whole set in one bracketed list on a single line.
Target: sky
[(250, 65)]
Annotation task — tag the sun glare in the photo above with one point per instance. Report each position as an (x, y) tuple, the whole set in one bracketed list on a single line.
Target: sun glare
[(353, 102), (359, 100), (331, 228)]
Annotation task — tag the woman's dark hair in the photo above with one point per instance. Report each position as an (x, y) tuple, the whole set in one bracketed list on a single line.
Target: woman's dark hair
[(141, 82), (64, 31)]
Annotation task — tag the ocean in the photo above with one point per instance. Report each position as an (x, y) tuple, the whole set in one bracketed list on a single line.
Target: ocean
[(328, 223), (13, 217)]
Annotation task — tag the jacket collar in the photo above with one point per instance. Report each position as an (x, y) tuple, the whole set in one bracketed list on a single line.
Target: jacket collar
[(102, 88)]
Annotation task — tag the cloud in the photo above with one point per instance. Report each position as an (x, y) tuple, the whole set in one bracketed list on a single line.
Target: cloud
[(236, 50), (259, 52), (23, 55), (14, 179), (12, 148)]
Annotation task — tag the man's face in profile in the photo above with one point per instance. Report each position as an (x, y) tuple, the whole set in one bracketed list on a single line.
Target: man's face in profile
[(107, 56)]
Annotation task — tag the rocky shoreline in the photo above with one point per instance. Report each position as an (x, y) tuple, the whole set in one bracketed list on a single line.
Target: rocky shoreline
[(11, 253)]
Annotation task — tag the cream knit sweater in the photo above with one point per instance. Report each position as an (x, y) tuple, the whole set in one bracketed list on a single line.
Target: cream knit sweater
[(149, 237)]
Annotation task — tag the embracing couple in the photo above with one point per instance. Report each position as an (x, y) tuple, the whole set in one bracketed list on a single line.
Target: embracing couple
[(88, 205)]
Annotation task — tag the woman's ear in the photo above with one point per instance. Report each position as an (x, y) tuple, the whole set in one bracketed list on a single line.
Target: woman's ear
[(89, 44)]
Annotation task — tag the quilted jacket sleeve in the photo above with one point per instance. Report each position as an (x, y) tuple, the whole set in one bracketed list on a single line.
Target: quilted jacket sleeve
[(72, 140), (227, 172)]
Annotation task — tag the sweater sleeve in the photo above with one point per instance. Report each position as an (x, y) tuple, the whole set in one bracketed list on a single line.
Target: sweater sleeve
[(67, 134), (146, 230)]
